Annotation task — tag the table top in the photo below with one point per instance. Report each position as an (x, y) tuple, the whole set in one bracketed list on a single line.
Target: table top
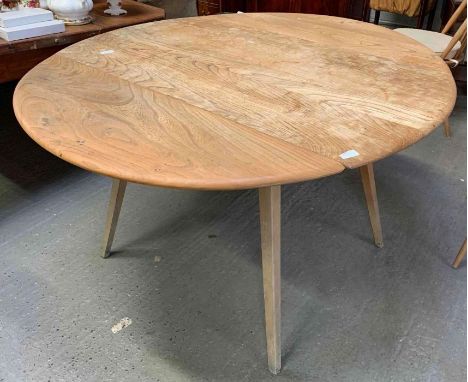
[(137, 13), (235, 101)]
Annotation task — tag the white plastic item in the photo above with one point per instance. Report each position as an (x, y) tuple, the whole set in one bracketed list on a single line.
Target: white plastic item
[(32, 30), (24, 17)]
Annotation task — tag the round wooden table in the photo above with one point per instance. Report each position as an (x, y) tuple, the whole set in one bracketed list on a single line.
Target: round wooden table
[(233, 102)]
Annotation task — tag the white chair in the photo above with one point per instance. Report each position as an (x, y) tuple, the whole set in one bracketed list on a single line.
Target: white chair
[(435, 41), (450, 48)]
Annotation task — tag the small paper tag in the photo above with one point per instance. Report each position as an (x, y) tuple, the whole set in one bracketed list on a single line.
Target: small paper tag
[(109, 51), (349, 154)]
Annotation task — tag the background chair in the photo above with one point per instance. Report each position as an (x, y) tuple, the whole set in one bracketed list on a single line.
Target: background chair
[(450, 48), (410, 8)]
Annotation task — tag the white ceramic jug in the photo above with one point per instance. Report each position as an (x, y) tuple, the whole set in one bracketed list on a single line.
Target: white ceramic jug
[(75, 12)]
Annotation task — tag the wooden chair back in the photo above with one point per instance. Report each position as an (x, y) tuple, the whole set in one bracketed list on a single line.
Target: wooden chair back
[(410, 8), (460, 34)]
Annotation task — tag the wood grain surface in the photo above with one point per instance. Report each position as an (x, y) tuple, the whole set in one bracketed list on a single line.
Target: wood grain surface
[(234, 101)]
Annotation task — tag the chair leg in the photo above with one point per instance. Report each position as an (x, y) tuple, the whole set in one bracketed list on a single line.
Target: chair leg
[(368, 183), (430, 20), (420, 22), (376, 17), (447, 128), (422, 14), (461, 255), (113, 212), (270, 225), (365, 11)]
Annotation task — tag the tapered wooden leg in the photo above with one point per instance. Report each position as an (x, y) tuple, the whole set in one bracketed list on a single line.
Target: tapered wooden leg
[(270, 225), (461, 255), (113, 212), (368, 183), (447, 128)]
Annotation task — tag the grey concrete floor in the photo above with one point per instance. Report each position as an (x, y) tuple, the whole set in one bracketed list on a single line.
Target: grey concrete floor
[(187, 273)]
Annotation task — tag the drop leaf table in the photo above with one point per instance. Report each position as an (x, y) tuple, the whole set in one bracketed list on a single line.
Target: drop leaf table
[(237, 101)]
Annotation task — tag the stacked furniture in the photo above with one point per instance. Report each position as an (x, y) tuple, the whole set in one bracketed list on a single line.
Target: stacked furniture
[(18, 57), (340, 8)]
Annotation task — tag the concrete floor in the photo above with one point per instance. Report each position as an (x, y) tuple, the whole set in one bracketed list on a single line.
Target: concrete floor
[(187, 273)]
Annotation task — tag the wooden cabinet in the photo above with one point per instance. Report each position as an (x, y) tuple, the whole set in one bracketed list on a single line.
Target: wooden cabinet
[(341, 8)]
